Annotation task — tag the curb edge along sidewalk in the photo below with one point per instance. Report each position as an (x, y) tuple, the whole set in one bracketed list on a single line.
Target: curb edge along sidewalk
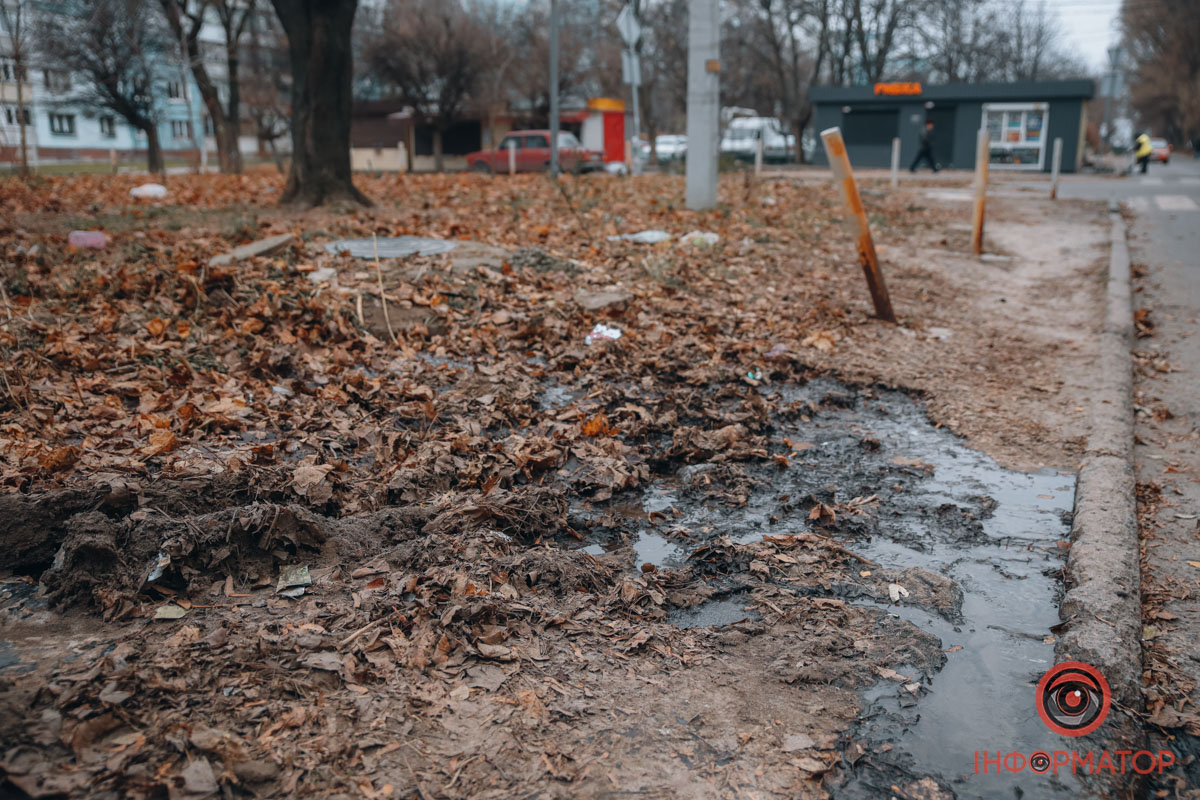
[(1101, 611)]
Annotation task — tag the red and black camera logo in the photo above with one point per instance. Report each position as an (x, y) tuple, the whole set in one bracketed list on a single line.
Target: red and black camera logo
[(1073, 698)]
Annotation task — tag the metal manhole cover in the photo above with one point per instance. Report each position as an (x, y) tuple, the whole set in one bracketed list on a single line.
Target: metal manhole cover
[(391, 247)]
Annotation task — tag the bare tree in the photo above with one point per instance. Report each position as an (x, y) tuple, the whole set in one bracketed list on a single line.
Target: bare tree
[(319, 34), (113, 46), (267, 85), (187, 19), (14, 18), (1163, 40), (435, 54)]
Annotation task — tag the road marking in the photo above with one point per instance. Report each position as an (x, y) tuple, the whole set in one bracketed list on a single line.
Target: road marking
[(1176, 202), (1151, 181), (1139, 204)]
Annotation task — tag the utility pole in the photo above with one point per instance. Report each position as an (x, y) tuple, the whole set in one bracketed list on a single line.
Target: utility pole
[(631, 73), (554, 120), (1110, 90), (703, 102)]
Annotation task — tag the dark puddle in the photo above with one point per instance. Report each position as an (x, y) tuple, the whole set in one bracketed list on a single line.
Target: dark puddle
[(715, 613), (941, 507)]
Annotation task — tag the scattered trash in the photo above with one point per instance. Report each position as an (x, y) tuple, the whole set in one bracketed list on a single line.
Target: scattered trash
[(939, 333), (778, 351), (323, 275), (754, 375), (282, 390), (170, 611), (95, 240), (699, 239), (292, 581), (391, 247), (616, 168), (149, 191), (605, 298), (602, 333), (261, 247), (642, 237), (161, 562), (896, 591)]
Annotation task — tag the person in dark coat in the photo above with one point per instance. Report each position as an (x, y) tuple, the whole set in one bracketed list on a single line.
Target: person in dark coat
[(926, 151)]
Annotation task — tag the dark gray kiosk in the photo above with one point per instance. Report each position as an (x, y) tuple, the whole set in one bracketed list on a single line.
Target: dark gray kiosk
[(1023, 120)]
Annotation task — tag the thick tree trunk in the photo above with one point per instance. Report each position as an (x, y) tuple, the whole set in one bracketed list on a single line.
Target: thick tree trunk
[(318, 34), (233, 116), (20, 76), (154, 156)]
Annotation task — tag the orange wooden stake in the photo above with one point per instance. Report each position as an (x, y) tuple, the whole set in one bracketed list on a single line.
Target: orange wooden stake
[(982, 156), (835, 151)]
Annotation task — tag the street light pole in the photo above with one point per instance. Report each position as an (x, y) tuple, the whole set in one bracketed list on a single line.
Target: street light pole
[(703, 102), (554, 117), (1114, 61)]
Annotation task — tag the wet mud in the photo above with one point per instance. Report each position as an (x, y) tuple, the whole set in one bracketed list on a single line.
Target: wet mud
[(810, 590)]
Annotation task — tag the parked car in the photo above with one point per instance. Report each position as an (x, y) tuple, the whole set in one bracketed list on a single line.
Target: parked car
[(670, 147), (533, 154), (1162, 150), (743, 133)]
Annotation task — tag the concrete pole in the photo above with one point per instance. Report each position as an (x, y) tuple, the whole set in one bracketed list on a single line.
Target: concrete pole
[(839, 163), (982, 156), (895, 162), (1055, 165), (703, 102), (636, 166), (512, 156), (554, 120)]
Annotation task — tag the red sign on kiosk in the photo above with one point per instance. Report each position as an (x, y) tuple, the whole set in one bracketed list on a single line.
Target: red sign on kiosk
[(900, 87)]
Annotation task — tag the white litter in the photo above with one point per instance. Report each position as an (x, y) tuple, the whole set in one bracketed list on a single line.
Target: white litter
[(322, 275), (896, 591), (642, 237), (615, 168), (149, 191), (699, 239), (602, 333)]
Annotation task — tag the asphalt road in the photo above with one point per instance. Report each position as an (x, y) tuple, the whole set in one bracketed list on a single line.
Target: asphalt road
[(1165, 244)]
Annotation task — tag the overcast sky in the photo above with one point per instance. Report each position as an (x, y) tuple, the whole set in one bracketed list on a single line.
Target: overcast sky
[(1089, 27)]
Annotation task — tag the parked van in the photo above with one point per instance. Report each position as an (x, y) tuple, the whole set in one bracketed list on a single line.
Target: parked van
[(742, 134)]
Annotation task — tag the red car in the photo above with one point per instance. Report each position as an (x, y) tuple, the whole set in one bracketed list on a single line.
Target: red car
[(533, 154)]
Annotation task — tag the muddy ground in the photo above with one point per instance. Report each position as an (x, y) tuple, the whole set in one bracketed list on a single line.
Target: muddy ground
[(268, 540)]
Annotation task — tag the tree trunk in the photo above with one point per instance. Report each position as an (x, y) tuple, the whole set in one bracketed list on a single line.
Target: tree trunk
[(233, 116), (20, 65), (208, 90), (439, 161), (154, 156), (318, 33)]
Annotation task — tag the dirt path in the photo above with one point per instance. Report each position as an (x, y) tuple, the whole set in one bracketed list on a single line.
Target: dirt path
[(493, 561)]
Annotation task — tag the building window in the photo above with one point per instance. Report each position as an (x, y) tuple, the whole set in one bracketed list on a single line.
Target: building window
[(11, 115), (108, 127), (9, 71), (174, 90), (181, 129), (62, 124), (57, 80), (208, 125), (1016, 133)]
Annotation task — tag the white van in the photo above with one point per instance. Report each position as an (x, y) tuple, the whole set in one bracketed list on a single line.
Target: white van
[(742, 134)]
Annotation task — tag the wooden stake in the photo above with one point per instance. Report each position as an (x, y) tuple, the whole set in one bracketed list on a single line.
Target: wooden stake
[(895, 162), (512, 156), (758, 157), (1055, 164), (835, 151), (982, 155), (628, 156)]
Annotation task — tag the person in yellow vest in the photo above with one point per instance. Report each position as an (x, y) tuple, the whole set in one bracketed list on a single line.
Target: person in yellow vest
[(1144, 149)]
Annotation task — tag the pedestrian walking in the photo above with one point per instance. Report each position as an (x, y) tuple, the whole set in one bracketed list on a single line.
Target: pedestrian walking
[(926, 151), (1144, 149)]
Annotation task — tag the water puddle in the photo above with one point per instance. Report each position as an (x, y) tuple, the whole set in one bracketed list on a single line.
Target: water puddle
[(924, 500), (715, 613)]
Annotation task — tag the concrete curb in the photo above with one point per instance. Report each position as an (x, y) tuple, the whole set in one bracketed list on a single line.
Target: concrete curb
[(1101, 611)]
